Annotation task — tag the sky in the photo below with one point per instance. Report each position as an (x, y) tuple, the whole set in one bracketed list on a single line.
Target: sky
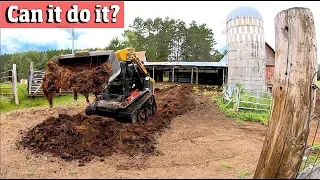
[(212, 13)]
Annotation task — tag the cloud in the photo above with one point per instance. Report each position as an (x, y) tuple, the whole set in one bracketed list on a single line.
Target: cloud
[(212, 13)]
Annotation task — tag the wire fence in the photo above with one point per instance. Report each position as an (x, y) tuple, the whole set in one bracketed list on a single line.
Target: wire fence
[(310, 166)]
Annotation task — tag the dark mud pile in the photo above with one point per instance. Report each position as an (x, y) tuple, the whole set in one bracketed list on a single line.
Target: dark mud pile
[(83, 82), (82, 137)]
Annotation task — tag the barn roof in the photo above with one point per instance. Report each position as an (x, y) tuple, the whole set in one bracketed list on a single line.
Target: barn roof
[(142, 55), (192, 64), (270, 47)]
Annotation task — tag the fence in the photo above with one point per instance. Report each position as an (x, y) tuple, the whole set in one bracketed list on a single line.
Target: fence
[(255, 100), (310, 166), (8, 88), (35, 81), (246, 99)]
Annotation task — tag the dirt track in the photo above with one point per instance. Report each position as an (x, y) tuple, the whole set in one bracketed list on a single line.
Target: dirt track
[(202, 143)]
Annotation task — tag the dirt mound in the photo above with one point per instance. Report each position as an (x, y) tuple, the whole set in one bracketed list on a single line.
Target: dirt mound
[(83, 82), (82, 137)]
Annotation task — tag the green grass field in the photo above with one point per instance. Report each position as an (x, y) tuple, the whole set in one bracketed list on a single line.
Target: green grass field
[(7, 104)]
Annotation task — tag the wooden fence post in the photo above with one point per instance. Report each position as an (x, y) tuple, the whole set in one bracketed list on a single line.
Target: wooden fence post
[(15, 84), (30, 78), (295, 65)]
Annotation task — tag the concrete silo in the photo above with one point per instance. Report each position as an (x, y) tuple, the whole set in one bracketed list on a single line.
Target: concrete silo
[(246, 48)]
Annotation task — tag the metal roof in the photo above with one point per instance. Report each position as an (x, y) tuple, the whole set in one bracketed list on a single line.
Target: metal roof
[(86, 54), (193, 64), (244, 11)]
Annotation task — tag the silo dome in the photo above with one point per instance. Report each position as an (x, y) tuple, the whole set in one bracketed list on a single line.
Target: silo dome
[(246, 48), (244, 11)]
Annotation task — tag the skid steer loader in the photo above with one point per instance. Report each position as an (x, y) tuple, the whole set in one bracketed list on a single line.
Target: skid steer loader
[(129, 93)]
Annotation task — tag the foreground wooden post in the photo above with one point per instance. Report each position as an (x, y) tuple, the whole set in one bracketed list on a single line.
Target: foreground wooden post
[(295, 65)]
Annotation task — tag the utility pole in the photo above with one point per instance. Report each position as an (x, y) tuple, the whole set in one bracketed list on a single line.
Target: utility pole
[(293, 98), (72, 40), (72, 34)]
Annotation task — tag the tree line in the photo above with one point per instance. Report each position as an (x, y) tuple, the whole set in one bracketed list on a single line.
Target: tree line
[(164, 39)]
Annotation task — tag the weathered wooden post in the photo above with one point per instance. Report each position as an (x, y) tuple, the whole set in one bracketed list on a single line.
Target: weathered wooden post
[(15, 84), (30, 77), (295, 65)]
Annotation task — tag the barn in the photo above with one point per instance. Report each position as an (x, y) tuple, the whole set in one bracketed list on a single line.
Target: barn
[(249, 61), (214, 73)]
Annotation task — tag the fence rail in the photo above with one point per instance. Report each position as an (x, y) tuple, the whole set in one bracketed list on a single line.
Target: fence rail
[(9, 77), (246, 99)]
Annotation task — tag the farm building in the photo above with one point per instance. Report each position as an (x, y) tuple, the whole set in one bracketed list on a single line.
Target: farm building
[(208, 72), (250, 60)]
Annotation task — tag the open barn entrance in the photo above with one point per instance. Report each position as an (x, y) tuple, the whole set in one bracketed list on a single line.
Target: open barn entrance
[(182, 74)]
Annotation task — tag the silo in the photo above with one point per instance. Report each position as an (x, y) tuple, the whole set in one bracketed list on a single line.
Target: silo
[(246, 48)]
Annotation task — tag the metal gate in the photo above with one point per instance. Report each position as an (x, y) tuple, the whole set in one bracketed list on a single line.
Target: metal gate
[(9, 86), (254, 100), (35, 80)]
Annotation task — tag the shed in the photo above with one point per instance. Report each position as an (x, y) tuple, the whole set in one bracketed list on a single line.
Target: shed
[(188, 72)]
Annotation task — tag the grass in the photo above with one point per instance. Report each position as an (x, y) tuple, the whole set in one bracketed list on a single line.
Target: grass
[(226, 165), (7, 104), (242, 115), (243, 174)]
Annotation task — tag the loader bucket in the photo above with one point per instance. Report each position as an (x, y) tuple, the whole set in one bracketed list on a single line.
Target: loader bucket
[(82, 61)]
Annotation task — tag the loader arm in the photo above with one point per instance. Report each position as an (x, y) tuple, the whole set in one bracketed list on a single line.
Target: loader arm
[(128, 54)]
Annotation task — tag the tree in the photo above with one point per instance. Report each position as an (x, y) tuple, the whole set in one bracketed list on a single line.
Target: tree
[(217, 55), (198, 44), (116, 44)]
